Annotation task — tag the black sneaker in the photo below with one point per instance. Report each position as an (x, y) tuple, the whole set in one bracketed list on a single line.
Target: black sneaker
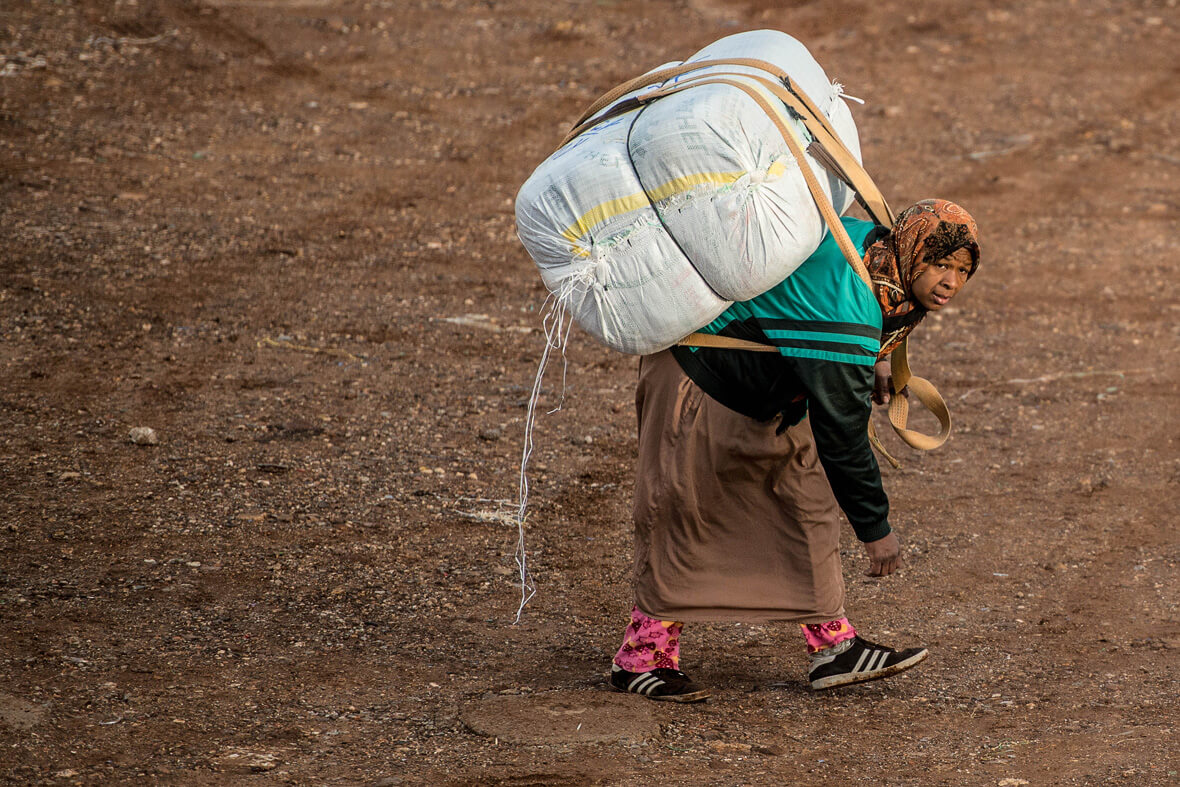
[(666, 685), (858, 660)]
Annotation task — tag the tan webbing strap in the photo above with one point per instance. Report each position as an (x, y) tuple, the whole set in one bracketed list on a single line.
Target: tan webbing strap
[(899, 408), (587, 120), (664, 74), (631, 85), (925, 392), (699, 339)]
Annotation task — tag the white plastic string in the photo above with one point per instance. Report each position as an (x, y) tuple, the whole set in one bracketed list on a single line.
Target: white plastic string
[(556, 323), (840, 92)]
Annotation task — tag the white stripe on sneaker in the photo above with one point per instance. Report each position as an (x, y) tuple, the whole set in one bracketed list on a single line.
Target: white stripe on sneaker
[(876, 664), (644, 684), (643, 677)]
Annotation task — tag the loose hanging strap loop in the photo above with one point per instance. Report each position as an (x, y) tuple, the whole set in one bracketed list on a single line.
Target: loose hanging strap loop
[(832, 152), (925, 392)]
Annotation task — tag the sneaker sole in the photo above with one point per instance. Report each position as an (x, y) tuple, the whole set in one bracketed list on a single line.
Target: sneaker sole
[(692, 696), (848, 679)]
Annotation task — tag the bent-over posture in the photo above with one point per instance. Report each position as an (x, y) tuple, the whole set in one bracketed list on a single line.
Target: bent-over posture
[(745, 457)]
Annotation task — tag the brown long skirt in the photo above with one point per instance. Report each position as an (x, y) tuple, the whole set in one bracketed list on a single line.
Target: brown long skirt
[(732, 522)]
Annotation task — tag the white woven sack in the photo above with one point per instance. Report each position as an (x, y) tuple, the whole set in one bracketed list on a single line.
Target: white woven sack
[(648, 225)]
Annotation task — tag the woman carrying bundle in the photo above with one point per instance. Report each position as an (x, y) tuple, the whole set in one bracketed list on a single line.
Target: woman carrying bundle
[(745, 457)]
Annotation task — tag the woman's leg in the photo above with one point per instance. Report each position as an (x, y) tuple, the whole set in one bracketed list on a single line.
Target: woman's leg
[(840, 657), (821, 636), (649, 662), (649, 644)]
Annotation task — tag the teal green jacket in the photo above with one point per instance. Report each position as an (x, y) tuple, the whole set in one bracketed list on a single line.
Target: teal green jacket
[(826, 324)]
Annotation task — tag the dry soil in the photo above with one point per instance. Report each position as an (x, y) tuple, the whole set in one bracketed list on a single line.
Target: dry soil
[(280, 234)]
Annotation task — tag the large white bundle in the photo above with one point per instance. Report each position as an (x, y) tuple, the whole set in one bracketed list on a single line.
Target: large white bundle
[(648, 225)]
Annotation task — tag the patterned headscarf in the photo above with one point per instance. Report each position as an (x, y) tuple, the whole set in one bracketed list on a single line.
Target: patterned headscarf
[(925, 232)]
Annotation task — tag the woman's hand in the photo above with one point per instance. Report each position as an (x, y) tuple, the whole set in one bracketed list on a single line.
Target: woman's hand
[(882, 382), (884, 556)]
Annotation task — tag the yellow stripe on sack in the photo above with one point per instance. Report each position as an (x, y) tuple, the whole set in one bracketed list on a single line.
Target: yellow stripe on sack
[(686, 182), (620, 205), (598, 214)]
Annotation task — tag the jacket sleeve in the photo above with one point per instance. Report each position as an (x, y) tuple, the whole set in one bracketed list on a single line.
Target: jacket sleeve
[(840, 403)]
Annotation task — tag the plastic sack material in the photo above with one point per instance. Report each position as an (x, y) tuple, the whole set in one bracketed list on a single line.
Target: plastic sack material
[(649, 224)]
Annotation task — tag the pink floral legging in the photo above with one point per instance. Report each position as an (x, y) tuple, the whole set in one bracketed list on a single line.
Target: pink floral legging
[(650, 643)]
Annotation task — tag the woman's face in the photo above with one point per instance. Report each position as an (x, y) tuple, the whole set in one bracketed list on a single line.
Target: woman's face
[(941, 280)]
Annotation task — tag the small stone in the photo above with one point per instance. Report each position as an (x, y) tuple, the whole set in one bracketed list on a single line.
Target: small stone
[(244, 760), (769, 751), (143, 435), (490, 435)]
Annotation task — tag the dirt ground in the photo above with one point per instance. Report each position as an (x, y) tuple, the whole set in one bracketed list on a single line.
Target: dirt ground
[(280, 234)]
